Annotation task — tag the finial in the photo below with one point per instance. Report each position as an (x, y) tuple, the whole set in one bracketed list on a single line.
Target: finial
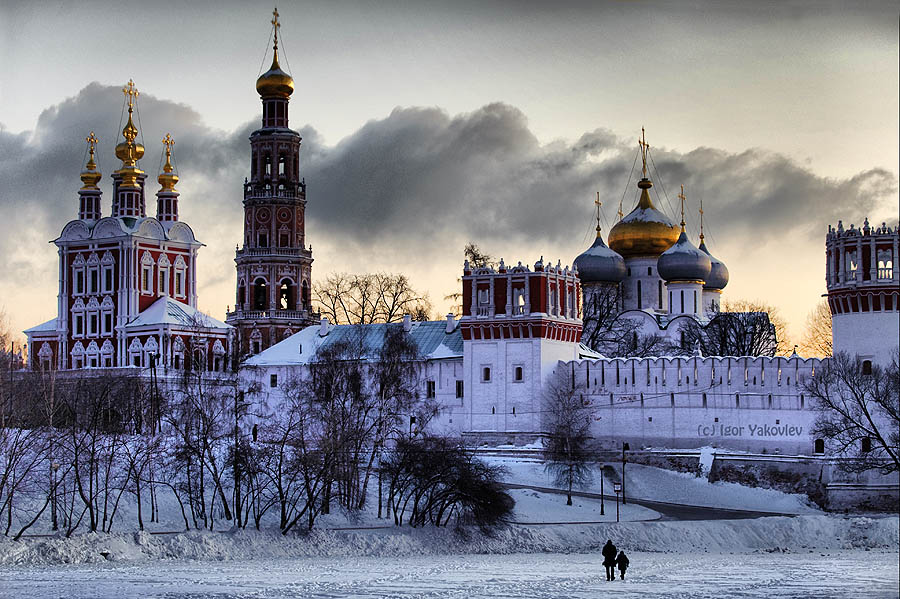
[(276, 24), (598, 203), (168, 178), (131, 92), (645, 147), (682, 198), (620, 214), (701, 220), (90, 176)]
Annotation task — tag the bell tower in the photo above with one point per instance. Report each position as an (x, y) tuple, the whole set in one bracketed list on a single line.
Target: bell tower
[(274, 264)]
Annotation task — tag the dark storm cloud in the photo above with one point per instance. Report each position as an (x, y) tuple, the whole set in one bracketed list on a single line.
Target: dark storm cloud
[(416, 181)]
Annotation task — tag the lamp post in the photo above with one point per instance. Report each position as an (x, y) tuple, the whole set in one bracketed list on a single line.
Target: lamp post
[(53, 468), (617, 487), (625, 448), (602, 512)]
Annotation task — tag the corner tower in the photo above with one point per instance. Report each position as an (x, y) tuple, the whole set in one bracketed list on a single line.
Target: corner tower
[(274, 264), (863, 282)]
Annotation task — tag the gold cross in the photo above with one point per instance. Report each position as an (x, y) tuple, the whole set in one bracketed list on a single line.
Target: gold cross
[(131, 93), (598, 203), (645, 148), (169, 142), (92, 141), (682, 198), (275, 24)]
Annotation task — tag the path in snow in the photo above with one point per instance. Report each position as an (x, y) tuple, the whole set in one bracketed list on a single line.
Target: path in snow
[(756, 575)]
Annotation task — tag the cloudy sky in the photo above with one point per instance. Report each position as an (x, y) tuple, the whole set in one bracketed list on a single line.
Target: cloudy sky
[(427, 125)]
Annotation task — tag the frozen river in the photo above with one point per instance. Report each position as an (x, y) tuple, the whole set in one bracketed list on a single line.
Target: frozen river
[(818, 574)]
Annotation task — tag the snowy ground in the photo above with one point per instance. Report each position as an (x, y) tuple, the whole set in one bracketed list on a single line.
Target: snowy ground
[(762, 575), (657, 484)]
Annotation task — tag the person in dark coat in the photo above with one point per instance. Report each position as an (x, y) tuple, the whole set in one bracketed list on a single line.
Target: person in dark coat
[(609, 552), (622, 563)]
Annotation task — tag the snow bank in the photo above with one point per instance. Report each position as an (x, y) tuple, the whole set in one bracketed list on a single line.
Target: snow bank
[(778, 533)]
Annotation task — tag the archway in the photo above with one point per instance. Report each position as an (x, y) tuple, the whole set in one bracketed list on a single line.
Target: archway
[(260, 298)]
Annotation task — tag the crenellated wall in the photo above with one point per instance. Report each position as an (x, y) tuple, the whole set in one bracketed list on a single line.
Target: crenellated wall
[(744, 403)]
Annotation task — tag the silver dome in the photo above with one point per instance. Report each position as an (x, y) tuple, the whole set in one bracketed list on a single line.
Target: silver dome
[(599, 264), (684, 262), (718, 273)]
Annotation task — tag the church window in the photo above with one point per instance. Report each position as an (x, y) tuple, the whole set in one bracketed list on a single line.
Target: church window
[(147, 273), (107, 279), (106, 324), (695, 302), (867, 367), (460, 388), (268, 166), (659, 289), (429, 389), (93, 321), (273, 380), (639, 302), (485, 374), (79, 281), (78, 324), (94, 281), (819, 446), (262, 239), (866, 444), (649, 270), (286, 295), (519, 375), (682, 301), (284, 239), (163, 281), (885, 264), (179, 283), (281, 165), (671, 304), (484, 296), (260, 298)]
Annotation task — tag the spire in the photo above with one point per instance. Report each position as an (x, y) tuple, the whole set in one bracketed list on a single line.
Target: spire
[(90, 176), (89, 194), (167, 196), (598, 203), (682, 198)]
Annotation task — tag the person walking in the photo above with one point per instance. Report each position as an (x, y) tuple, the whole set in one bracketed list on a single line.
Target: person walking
[(609, 552), (622, 563)]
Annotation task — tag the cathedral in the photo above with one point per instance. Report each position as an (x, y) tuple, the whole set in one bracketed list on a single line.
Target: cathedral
[(127, 294)]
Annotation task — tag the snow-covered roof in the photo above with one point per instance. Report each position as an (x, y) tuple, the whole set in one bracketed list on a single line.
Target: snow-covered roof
[(166, 311), (48, 326), (431, 337), (586, 353)]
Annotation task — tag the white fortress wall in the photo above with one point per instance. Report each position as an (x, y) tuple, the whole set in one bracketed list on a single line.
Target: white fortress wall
[(749, 404), (869, 335)]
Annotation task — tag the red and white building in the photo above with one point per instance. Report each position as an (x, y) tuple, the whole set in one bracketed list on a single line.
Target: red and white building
[(127, 281)]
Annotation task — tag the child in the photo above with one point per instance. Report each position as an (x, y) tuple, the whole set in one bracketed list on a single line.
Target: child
[(622, 562)]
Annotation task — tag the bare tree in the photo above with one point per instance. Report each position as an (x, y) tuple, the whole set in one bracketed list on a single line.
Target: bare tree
[(741, 329), (368, 298), (858, 407), (816, 339), (613, 335), (568, 450)]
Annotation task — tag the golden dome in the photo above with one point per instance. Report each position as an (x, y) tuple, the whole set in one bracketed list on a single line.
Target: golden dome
[(275, 82), (645, 231), (128, 151), (90, 176)]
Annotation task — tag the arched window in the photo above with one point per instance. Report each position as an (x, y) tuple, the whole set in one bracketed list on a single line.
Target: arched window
[(639, 298), (819, 446), (286, 300), (304, 290), (242, 295), (260, 298), (867, 367)]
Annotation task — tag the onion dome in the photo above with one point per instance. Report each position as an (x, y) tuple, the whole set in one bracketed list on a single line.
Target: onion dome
[(645, 231), (683, 262), (90, 176), (718, 272), (599, 264), (275, 83), (167, 179), (128, 151)]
